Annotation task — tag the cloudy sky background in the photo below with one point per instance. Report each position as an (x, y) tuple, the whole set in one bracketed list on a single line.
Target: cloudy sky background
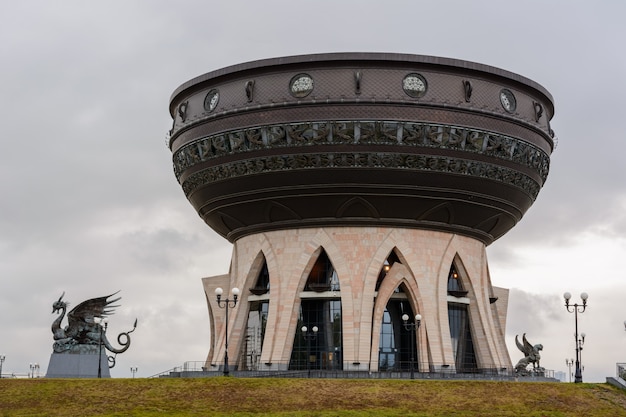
[(89, 204)]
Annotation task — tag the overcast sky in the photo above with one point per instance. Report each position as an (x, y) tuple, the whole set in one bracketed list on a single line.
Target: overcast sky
[(90, 204)]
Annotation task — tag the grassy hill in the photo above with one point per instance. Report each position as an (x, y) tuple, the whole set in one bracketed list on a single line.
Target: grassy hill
[(304, 397)]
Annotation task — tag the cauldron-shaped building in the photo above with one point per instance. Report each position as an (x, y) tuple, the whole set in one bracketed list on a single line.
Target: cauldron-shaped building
[(357, 188)]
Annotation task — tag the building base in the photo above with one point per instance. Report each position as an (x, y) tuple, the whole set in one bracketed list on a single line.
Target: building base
[(354, 285)]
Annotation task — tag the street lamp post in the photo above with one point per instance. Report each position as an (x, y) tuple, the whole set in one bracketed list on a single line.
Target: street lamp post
[(579, 343), (226, 303), (576, 308), (2, 357), (413, 328), (133, 370), (34, 367), (569, 363), (308, 336), (103, 324)]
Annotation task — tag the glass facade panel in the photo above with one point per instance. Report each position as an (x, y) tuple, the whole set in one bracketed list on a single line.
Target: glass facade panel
[(394, 349), (460, 333), (255, 334), (257, 322), (321, 350), (459, 321), (325, 350), (387, 346)]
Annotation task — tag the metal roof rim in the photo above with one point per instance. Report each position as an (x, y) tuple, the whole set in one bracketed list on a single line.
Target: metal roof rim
[(360, 56)]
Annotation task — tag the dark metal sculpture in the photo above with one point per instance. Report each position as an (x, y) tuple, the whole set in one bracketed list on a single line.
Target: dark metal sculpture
[(467, 88), (531, 356), (83, 333), (250, 90), (357, 82)]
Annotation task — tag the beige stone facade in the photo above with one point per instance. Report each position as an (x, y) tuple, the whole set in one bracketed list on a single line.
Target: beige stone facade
[(358, 255)]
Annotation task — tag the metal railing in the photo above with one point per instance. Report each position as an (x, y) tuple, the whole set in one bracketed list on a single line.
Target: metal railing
[(401, 370), (190, 366), (18, 375), (621, 371)]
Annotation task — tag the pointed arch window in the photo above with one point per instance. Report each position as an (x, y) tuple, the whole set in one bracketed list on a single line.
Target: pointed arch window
[(391, 259), (323, 311), (455, 284), (262, 284), (323, 276)]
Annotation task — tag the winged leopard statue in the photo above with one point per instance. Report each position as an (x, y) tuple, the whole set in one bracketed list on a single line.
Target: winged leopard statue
[(531, 356)]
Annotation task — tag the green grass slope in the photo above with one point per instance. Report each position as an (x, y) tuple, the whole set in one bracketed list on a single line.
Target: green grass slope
[(304, 397)]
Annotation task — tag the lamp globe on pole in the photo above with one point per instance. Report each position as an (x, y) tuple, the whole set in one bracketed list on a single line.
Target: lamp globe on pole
[(226, 304), (309, 336), (412, 328)]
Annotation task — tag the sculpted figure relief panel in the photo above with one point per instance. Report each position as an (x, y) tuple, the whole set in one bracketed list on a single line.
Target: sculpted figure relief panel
[(361, 133)]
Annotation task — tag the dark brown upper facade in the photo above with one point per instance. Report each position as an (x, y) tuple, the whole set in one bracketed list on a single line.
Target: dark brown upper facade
[(361, 139)]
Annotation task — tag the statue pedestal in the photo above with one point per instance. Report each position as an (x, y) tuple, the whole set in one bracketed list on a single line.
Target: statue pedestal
[(78, 365)]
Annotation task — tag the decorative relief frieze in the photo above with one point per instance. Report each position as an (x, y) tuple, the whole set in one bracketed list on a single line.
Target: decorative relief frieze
[(424, 163), (359, 133), (308, 133)]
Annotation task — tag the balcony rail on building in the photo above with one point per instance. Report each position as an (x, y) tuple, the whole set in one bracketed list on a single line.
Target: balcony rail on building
[(620, 372), (198, 369)]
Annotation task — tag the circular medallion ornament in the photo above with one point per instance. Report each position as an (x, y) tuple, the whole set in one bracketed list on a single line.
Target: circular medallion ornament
[(414, 85), (211, 100), (301, 85), (507, 99)]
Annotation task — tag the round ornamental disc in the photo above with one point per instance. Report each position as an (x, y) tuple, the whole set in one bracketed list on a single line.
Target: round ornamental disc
[(507, 99), (301, 85), (211, 100), (414, 85)]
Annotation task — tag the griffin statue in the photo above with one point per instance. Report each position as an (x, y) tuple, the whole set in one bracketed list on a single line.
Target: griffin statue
[(84, 332), (531, 356)]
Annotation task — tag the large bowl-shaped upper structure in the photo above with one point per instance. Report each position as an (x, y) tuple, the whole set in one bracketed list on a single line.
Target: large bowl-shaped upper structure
[(361, 139)]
